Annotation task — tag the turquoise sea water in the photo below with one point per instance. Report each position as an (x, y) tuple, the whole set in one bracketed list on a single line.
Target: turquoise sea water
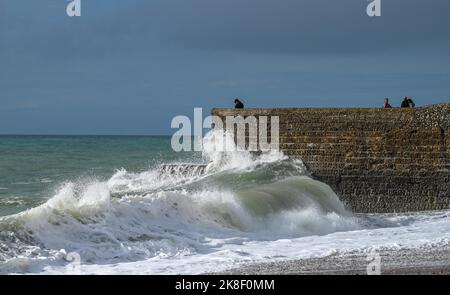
[(33, 167)]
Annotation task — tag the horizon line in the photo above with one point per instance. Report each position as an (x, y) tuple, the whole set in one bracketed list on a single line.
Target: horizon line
[(55, 134)]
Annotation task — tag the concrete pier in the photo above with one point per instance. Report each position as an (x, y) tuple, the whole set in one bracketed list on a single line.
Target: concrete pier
[(376, 160)]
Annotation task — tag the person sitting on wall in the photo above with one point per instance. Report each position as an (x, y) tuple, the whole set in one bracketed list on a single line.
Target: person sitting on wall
[(386, 104), (405, 102), (238, 104), (408, 103)]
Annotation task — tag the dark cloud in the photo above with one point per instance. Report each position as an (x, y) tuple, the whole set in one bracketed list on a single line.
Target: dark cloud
[(159, 58), (311, 26), (271, 26)]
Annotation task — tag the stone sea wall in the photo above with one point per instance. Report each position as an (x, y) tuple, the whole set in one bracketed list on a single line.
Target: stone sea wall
[(376, 160)]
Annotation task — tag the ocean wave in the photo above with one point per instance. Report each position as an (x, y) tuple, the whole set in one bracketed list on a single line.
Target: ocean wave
[(237, 206)]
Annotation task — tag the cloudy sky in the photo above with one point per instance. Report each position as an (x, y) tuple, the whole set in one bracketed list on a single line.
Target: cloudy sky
[(129, 66)]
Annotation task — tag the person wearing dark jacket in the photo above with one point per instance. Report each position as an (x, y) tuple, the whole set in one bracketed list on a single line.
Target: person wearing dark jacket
[(408, 103), (405, 103), (238, 104)]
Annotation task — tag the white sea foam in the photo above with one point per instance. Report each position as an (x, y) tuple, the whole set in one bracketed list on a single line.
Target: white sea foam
[(12, 200)]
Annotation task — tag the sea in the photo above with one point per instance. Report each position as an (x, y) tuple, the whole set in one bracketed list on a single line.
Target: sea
[(132, 205)]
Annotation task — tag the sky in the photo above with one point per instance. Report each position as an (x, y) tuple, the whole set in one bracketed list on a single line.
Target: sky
[(127, 67)]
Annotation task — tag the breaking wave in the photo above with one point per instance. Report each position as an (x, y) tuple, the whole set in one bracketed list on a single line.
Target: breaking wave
[(173, 211)]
